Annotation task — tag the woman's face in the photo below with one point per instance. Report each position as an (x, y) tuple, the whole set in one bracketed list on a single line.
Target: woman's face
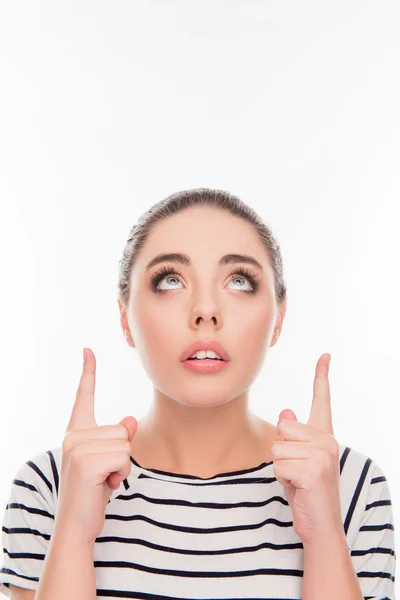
[(202, 301)]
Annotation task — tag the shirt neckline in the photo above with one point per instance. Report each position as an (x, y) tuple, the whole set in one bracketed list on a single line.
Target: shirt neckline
[(186, 476)]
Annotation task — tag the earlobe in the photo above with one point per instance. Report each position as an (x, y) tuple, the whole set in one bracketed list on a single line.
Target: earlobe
[(124, 324), (279, 324), (275, 337), (130, 340)]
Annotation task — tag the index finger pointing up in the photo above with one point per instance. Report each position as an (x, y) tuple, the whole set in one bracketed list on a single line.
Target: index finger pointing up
[(321, 412), (82, 415)]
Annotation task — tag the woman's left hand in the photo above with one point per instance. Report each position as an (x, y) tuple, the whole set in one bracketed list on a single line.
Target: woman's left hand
[(306, 464)]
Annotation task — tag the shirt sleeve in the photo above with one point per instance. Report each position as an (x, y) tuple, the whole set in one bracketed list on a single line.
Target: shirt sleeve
[(373, 551), (27, 524)]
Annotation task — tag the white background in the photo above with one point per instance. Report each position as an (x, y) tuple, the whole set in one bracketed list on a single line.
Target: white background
[(108, 107)]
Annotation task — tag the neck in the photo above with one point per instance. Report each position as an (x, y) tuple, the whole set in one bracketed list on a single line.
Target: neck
[(201, 441)]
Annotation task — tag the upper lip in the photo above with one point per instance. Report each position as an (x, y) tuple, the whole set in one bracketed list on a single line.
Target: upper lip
[(205, 345)]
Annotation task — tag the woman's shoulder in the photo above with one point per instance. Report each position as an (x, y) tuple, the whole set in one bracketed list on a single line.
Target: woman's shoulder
[(40, 473)]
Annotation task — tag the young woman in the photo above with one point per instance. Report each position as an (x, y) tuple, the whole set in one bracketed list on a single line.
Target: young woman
[(201, 498)]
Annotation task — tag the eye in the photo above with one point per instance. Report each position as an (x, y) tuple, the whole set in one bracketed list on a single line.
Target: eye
[(169, 276), (237, 276), (160, 275), (241, 273), (252, 276)]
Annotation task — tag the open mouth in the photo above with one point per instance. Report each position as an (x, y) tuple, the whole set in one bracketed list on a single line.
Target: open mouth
[(206, 359)]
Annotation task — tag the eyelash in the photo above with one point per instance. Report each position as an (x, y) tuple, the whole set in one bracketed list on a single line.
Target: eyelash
[(159, 275)]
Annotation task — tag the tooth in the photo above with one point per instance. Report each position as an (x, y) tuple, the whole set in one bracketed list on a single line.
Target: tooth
[(203, 354)]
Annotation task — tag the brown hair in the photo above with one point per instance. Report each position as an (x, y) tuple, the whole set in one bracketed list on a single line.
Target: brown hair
[(185, 199)]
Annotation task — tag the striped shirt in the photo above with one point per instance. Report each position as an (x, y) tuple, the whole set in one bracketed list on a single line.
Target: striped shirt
[(184, 537)]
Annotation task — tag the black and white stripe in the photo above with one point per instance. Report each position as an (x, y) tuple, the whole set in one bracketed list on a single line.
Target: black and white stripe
[(179, 536)]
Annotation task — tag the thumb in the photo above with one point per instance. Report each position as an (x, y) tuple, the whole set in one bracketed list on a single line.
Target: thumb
[(114, 479), (287, 413), (131, 424)]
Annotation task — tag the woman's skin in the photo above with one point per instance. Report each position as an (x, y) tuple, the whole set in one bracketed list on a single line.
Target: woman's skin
[(200, 423)]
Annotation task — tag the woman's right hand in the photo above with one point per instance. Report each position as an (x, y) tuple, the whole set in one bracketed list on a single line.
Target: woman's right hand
[(94, 461)]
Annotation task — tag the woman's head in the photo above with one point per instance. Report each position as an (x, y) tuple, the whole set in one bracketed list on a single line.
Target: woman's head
[(204, 299)]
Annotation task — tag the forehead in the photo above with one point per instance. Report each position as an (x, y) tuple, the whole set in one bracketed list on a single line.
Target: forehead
[(207, 230)]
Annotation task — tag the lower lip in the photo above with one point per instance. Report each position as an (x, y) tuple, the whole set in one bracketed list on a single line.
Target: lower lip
[(205, 366)]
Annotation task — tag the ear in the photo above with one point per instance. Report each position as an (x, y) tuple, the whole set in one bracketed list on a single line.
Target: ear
[(125, 325), (279, 323)]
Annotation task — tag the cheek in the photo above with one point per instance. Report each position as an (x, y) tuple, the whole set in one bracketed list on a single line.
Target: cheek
[(255, 328), (156, 334), (252, 339)]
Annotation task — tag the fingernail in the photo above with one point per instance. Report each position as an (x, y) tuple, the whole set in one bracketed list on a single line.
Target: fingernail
[(84, 355)]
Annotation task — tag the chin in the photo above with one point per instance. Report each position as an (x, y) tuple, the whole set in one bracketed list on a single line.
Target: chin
[(202, 402), (200, 398)]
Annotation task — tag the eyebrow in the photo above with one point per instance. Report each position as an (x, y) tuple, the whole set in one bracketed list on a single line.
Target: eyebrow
[(184, 259)]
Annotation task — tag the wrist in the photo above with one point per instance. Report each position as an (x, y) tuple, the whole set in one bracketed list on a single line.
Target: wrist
[(336, 538), (70, 537)]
